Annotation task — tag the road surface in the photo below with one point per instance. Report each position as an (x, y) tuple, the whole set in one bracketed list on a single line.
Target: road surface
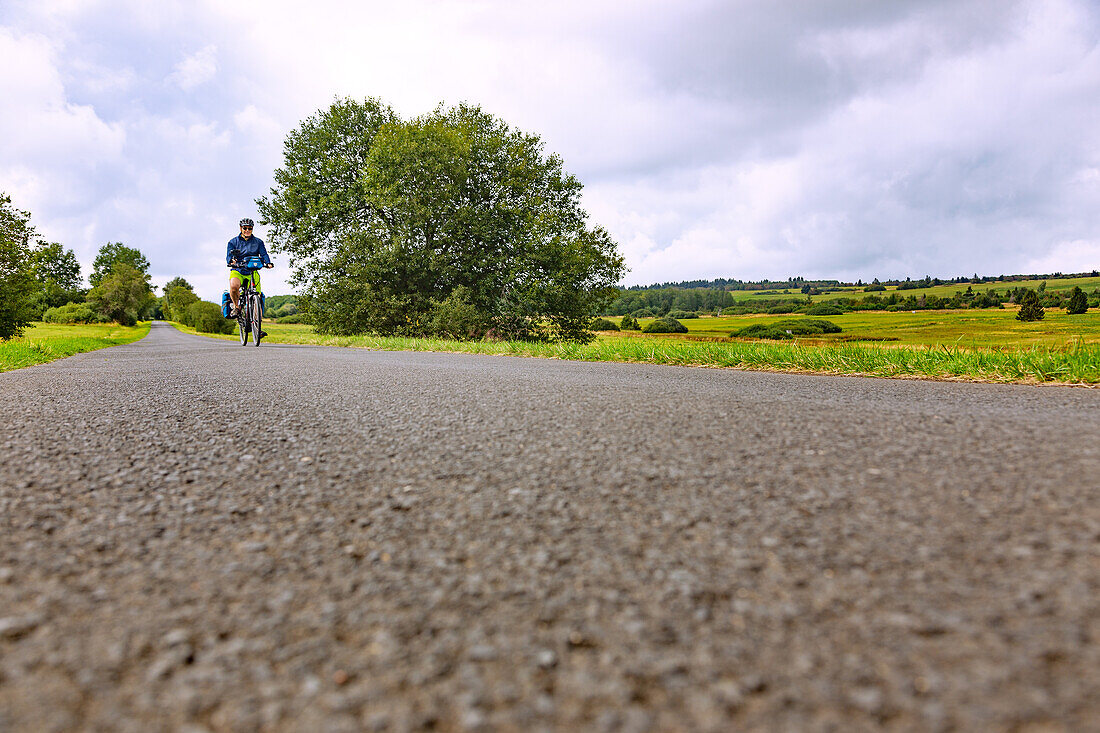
[(199, 536)]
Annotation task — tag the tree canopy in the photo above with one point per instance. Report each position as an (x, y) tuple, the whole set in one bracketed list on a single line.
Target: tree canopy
[(178, 297), (58, 275), (115, 253), (123, 295), (448, 223)]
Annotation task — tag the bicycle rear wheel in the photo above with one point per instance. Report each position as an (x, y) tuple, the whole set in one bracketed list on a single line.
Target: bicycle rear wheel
[(256, 309)]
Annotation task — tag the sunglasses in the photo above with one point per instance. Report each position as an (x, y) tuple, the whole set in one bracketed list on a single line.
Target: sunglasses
[(246, 227)]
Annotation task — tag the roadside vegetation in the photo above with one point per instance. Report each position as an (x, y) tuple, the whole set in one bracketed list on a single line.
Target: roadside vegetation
[(1073, 362), (43, 342)]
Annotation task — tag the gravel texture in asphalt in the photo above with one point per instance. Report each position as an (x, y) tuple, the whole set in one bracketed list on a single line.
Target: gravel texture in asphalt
[(200, 536)]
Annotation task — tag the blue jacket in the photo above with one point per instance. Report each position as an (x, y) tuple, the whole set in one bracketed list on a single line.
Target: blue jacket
[(251, 247)]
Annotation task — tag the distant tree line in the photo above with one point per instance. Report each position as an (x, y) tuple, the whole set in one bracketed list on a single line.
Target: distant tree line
[(801, 284), (688, 303)]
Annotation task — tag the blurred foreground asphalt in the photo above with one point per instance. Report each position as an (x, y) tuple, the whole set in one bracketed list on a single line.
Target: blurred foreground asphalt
[(200, 536)]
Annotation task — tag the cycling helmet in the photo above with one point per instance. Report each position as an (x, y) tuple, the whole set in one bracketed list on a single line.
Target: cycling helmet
[(246, 222)]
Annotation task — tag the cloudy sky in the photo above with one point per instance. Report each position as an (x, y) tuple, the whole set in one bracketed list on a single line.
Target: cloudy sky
[(736, 138)]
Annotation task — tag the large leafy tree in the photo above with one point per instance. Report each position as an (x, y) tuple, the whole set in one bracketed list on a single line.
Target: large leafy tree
[(18, 288), (116, 253), (448, 223)]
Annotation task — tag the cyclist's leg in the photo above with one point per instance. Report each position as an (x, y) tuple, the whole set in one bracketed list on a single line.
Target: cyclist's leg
[(235, 280)]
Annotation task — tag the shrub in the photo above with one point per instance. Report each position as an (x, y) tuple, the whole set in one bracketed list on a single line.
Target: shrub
[(643, 313), (665, 325), (824, 309), (73, 313), (787, 329), (457, 317), (781, 309), (296, 318), (677, 314), (874, 288), (629, 324), (738, 310), (207, 317), (602, 324)]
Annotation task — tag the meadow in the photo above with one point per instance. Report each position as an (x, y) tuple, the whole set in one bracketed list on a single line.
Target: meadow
[(969, 328), (1088, 284), (43, 342)]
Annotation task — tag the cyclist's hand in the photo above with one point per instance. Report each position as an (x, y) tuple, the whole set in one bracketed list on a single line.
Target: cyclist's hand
[(269, 265)]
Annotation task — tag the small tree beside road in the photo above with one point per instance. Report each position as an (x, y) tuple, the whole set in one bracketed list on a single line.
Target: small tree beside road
[(123, 295), (178, 297)]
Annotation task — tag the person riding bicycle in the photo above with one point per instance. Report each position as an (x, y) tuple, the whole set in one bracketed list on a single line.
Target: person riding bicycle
[(241, 247)]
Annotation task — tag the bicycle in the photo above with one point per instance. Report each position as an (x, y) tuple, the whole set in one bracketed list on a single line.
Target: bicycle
[(250, 308)]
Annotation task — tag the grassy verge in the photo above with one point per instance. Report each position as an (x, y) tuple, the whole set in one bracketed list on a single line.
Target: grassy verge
[(1078, 363), (43, 342)]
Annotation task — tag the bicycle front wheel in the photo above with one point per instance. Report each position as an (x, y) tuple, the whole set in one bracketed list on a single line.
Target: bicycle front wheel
[(242, 321), (256, 308)]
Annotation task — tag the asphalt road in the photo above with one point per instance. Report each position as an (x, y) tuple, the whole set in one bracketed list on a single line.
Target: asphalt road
[(199, 536)]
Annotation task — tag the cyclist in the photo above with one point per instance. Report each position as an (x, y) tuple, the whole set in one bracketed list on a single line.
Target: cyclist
[(240, 247)]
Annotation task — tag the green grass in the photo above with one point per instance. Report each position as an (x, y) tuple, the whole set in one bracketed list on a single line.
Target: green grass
[(971, 328), (1075, 363), (43, 342)]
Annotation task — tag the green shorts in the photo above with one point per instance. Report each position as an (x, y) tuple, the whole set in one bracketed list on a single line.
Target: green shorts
[(255, 276)]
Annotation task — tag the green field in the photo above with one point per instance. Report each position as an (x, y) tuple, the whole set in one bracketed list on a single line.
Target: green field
[(1088, 284), (43, 342), (1067, 361), (970, 328)]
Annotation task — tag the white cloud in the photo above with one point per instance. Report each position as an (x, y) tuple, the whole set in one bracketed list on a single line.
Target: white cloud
[(52, 147), (715, 139), (198, 68)]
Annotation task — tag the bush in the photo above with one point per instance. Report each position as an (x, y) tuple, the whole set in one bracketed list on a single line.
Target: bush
[(824, 309), (629, 324), (787, 329), (682, 314), (73, 313), (207, 317), (874, 288), (781, 309), (643, 313), (602, 324), (296, 318), (665, 325), (738, 310), (457, 317)]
